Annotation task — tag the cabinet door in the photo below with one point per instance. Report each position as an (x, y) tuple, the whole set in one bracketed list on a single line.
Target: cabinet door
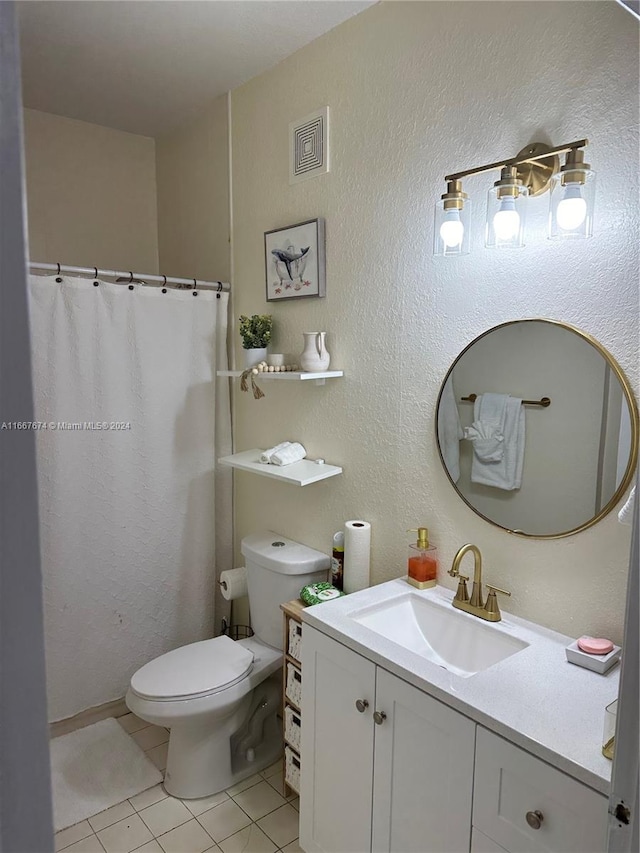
[(510, 784), (423, 779), (337, 747)]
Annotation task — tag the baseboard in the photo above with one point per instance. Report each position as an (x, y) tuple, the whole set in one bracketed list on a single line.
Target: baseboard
[(116, 708)]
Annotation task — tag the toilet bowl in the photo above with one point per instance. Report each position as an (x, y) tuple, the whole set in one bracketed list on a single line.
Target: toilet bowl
[(219, 698)]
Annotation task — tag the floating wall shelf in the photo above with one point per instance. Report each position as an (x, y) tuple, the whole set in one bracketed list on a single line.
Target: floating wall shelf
[(301, 473), (293, 374)]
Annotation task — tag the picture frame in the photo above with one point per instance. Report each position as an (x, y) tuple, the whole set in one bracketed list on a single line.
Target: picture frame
[(295, 261)]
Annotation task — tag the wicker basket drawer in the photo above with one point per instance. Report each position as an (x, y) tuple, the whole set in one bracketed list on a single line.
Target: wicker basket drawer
[(292, 769), (293, 689), (292, 727), (295, 639)]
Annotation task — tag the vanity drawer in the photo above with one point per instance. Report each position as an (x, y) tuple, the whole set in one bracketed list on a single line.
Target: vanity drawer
[(509, 784)]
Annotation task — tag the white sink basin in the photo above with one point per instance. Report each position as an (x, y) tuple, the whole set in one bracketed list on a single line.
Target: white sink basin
[(459, 642)]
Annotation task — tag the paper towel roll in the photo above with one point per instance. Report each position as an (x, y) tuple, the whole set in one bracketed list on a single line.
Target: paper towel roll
[(233, 583), (357, 550)]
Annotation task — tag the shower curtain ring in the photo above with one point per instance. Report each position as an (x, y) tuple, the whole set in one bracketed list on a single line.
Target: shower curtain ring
[(96, 272), (219, 287), (58, 273), (130, 276)]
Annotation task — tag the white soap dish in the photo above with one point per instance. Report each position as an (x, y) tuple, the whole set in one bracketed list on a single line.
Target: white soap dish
[(597, 663)]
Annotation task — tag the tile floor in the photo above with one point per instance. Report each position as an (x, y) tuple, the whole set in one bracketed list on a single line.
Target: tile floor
[(252, 817)]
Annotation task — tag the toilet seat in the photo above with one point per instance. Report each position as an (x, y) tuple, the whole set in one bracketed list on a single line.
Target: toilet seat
[(199, 669)]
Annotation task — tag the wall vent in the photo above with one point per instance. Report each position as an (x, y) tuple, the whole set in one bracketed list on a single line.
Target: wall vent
[(309, 146)]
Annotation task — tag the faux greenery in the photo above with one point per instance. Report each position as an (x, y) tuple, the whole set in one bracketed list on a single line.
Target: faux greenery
[(255, 331)]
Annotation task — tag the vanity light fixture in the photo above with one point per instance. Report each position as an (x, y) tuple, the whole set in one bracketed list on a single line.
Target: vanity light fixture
[(530, 173)]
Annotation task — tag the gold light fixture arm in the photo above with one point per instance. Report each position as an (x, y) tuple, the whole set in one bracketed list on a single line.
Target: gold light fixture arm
[(534, 165)]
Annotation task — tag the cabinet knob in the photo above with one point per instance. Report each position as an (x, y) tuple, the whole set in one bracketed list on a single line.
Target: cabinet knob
[(534, 819), (362, 705), (379, 717)]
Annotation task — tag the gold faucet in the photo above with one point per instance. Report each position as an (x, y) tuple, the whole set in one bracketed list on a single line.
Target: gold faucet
[(474, 605)]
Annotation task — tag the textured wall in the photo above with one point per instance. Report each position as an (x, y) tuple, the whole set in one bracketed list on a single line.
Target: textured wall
[(192, 169), (91, 194), (417, 90)]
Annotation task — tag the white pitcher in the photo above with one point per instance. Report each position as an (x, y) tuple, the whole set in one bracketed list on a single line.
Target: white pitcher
[(314, 357)]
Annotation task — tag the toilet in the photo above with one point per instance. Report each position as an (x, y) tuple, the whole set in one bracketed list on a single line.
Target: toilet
[(220, 698)]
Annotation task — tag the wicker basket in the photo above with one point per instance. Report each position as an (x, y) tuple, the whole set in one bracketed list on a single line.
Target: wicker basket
[(295, 639), (293, 689), (292, 769), (292, 727)]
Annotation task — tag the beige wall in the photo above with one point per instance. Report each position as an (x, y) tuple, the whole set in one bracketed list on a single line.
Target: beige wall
[(417, 90), (91, 194), (192, 168)]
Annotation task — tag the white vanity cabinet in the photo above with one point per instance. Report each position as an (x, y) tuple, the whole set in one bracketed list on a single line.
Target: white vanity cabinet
[(524, 804), (386, 767), (389, 769)]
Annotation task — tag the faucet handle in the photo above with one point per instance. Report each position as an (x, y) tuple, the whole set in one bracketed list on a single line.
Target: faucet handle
[(491, 604), (462, 593)]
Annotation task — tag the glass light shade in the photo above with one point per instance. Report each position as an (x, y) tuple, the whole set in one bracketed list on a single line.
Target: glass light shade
[(506, 213), (451, 229), (571, 205)]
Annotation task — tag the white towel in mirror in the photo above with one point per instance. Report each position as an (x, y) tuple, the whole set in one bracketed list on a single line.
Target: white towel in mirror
[(504, 472)]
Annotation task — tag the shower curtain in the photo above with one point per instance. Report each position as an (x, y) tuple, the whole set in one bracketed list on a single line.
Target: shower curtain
[(136, 522)]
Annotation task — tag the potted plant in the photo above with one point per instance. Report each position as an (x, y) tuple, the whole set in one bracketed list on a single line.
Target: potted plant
[(255, 332)]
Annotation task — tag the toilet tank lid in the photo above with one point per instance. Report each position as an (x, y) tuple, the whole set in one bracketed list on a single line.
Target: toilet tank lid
[(193, 670), (279, 554)]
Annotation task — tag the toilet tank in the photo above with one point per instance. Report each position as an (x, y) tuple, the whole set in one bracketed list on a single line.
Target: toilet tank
[(277, 569)]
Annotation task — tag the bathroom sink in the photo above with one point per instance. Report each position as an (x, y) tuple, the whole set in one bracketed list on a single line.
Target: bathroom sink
[(459, 642)]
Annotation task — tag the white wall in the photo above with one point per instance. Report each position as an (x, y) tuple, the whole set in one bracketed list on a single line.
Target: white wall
[(91, 194), (192, 170), (417, 90)]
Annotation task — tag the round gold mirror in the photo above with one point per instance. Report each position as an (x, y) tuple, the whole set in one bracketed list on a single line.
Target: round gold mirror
[(537, 428)]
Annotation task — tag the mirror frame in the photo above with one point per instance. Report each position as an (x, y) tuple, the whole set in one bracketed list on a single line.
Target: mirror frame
[(633, 414)]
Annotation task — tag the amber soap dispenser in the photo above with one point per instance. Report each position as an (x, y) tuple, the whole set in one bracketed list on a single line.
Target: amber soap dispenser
[(422, 568)]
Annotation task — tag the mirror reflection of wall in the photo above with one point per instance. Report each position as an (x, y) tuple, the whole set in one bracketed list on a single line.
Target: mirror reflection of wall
[(577, 452)]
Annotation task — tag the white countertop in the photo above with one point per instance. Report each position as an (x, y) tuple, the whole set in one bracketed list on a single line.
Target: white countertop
[(536, 698)]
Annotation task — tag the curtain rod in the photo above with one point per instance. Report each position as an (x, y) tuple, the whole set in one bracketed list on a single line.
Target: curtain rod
[(134, 276)]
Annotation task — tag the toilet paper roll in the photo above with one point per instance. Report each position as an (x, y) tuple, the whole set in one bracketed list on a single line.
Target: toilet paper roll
[(357, 554), (233, 583)]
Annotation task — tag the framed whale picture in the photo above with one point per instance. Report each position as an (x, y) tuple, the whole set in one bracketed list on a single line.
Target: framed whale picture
[(294, 261)]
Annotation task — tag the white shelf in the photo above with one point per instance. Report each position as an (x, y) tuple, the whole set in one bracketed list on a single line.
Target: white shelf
[(301, 473), (292, 374)]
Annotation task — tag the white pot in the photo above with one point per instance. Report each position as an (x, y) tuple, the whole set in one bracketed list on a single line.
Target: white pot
[(254, 356)]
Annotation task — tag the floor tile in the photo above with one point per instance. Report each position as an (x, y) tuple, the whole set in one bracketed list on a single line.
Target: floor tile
[(148, 797), (150, 737), (165, 815), (277, 782), (249, 840), (188, 838), (295, 802), (131, 723), (223, 820), (276, 767), (246, 783), (158, 755), (259, 800), (282, 826), (112, 815), (125, 836), (72, 834), (294, 847), (149, 847), (90, 844), (196, 807)]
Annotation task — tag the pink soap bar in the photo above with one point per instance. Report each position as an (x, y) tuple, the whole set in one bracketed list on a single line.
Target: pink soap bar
[(595, 645)]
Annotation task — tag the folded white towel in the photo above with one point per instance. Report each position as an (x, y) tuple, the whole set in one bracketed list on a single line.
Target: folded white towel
[(488, 440), (265, 456), (293, 453), (625, 516), (449, 430), (507, 472)]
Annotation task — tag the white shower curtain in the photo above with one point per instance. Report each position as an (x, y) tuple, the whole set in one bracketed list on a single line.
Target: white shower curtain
[(135, 520)]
